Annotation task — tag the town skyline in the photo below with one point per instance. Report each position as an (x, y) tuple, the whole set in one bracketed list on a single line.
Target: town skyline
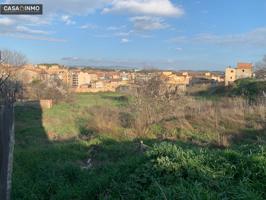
[(174, 35)]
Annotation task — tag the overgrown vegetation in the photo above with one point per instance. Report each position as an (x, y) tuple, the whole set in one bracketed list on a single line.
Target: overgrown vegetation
[(171, 171), (91, 148), (53, 89), (250, 89)]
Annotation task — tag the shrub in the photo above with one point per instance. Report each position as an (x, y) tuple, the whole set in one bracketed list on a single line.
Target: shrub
[(249, 88), (49, 89), (126, 119), (172, 172)]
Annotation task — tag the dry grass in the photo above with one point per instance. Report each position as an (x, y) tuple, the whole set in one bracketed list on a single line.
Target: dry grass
[(105, 120), (216, 120), (185, 118)]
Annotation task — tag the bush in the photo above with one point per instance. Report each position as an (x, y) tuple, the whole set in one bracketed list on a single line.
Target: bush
[(126, 119), (172, 172), (50, 89), (249, 88)]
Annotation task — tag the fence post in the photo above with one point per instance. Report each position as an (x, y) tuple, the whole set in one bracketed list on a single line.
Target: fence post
[(7, 141)]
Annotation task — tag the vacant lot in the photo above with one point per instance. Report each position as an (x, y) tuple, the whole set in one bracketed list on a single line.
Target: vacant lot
[(90, 149)]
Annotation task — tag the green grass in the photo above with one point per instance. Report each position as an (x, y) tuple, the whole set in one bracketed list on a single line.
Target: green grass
[(52, 169), (175, 172), (65, 118)]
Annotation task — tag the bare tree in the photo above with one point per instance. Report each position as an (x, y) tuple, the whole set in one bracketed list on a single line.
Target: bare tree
[(261, 69), (10, 87), (154, 101), (12, 58)]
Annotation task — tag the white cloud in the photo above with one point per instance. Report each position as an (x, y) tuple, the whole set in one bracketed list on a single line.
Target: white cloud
[(124, 40), (67, 20), (116, 28), (124, 34), (33, 37), (147, 7), (113, 28), (132, 33), (71, 7), (83, 7), (25, 26), (88, 26), (256, 37), (65, 11), (33, 20), (24, 29), (19, 26), (145, 23), (5, 21)]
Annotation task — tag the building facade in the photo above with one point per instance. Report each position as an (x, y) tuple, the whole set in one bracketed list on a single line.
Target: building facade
[(243, 70)]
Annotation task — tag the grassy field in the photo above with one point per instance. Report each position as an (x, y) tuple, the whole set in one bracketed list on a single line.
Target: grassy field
[(82, 150)]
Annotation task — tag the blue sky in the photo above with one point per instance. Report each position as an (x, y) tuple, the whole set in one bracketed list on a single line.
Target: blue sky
[(169, 34)]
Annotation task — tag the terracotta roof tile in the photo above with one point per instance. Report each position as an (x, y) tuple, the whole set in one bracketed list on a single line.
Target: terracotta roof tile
[(244, 65)]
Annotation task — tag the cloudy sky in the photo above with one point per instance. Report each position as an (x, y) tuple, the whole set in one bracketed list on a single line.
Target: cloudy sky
[(170, 34)]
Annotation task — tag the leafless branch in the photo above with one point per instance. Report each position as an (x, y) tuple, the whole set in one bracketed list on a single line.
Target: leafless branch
[(261, 69), (9, 86)]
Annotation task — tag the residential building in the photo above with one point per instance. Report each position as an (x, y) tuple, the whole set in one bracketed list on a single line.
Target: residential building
[(77, 78), (243, 70), (98, 84), (172, 78)]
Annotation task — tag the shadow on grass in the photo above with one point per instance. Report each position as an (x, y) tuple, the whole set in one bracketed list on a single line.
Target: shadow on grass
[(211, 92), (249, 136), (96, 167), (29, 126), (46, 169), (120, 99)]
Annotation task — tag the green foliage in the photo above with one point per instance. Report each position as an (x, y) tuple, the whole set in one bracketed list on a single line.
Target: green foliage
[(172, 172), (54, 169), (68, 118), (249, 88), (158, 130)]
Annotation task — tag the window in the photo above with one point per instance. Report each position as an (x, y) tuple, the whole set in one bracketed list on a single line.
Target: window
[(232, 71), (243, 70)]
